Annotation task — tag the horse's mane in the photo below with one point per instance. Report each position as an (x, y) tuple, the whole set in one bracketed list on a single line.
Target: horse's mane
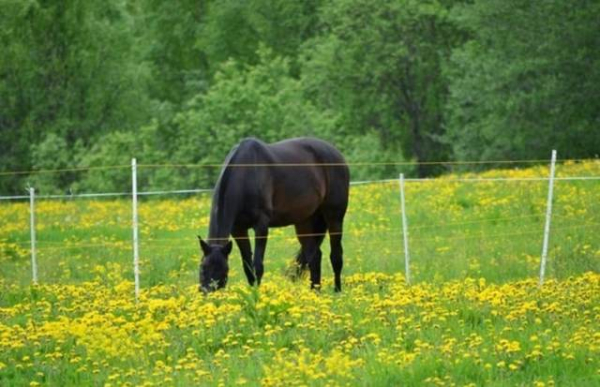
[(223, 175), (223, 182), (219, 192)]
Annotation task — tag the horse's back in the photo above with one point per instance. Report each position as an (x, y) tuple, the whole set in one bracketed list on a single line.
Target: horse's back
[(318, 166), (302, 150), (312, 155), (297, 176), (299, 152)]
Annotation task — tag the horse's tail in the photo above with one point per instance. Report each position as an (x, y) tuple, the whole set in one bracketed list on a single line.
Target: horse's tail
[(297, 267), (318, 231)]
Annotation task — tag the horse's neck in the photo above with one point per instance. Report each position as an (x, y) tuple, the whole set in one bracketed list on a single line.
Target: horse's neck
[(228, 196)]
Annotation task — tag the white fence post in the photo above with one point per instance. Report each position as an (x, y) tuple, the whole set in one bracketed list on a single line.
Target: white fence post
[(34, 269), (548, 218), (404, 231), (136, 257)]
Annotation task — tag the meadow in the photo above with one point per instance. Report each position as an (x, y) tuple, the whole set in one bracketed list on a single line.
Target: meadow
[(472, 315)]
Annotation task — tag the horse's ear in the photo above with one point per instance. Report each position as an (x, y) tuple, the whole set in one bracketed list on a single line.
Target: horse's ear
[(227, 248), (204, 246)]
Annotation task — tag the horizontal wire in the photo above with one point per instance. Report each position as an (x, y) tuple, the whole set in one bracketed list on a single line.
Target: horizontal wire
[(112, 245), (348, 233), (455, 224), (391, 230), (487, 220), (70, 196), (383, 181), (108, 194), (493, 236), (350, 164), (153, 243), (61, 170), (242, 165), (439, 225), (437, 239), (364, 182), (486, 179)]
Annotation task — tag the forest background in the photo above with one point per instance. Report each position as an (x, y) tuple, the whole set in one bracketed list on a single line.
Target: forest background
[(94, 83)]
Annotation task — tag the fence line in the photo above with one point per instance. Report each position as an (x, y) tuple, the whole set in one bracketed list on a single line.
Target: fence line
[(488, 179), (85, 245), (116, 243), (109, 194), (361, 164), (61, 170), (353, 183), (135, 194), (350, 164), (122, 244), (389, 230), (495, 236), (347, 233), (392, 231)]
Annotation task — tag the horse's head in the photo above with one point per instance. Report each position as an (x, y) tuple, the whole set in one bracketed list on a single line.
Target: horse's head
[(214, 266)]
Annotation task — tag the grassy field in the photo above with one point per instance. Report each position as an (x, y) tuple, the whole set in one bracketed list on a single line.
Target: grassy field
[(473, 314)]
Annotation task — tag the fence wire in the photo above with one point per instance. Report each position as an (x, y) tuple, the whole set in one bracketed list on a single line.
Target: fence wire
[(350, 164), (367, 236)]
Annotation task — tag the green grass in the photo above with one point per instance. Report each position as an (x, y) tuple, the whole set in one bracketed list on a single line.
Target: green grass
[(475, 250)]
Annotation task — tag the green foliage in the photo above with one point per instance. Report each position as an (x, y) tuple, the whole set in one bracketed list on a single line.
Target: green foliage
[(86, 84), (53, 153), (236, 29), (526, 82), (149, 145), (379, 64), (169, 31), (114, 149), (261, 101), (69, 68)]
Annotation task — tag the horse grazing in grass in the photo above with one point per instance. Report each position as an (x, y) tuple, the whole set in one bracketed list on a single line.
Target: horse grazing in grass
[(302, 182)]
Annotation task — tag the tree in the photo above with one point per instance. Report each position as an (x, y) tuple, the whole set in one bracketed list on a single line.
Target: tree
[(235, 29), (70, 69), (170, 32), (527, 80), (380, 65)]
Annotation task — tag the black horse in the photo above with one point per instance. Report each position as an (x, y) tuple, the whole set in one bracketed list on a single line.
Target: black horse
[(303, 181)]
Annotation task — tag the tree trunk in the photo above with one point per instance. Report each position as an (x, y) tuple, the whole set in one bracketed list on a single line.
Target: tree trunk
[(418, 146)]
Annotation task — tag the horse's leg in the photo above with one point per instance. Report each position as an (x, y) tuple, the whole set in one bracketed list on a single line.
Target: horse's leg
[(311, 234), (302, 259), (319, 229), (335, 225), (241, 238), (261, 234)]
